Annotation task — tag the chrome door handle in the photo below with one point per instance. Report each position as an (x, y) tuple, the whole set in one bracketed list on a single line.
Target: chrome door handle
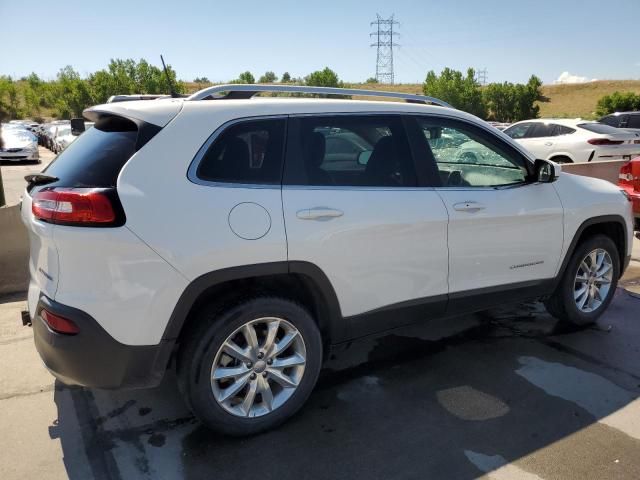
[(548, 144), (468, 206), (319, 213)]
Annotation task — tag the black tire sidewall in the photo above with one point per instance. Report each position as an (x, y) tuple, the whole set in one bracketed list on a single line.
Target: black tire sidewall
[(574, 315), (220, 326)]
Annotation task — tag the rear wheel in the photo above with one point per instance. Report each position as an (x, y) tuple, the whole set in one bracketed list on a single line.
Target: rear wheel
[(588, 284), (249, 367)]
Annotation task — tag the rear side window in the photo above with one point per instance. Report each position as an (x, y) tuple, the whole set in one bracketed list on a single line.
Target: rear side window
[(598, 128), (349, 150), (611, 120), (96, 157), (561, 130), (246, 152)]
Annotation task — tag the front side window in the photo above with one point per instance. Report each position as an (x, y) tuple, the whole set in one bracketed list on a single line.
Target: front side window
[(518, 131), (247, 152), (349, 150), (465, 157)]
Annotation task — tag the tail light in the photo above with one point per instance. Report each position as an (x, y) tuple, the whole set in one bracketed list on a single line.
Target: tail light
[(59, 324), (77, 206), (604, 141)]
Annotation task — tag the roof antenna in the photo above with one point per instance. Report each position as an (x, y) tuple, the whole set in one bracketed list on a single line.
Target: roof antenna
[(172, 89)]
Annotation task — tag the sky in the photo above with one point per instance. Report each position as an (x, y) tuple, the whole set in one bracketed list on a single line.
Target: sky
[(557, 40)]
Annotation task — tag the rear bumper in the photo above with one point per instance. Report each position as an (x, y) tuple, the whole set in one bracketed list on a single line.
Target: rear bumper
[(93, 358)]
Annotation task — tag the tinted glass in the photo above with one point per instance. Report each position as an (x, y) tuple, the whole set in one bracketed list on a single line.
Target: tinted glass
[(561, 130), (465, 157), (368, 150), (599, 128), (611, 120), (541, 130), (633, 121), (95, 158), (519, 131), (247, 152)]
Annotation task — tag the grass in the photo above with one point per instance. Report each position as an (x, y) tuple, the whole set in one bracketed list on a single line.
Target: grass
[(564, 101)]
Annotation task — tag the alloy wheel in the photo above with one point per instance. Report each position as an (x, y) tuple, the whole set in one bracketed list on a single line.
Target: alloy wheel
[(593, 280), (258, 367)]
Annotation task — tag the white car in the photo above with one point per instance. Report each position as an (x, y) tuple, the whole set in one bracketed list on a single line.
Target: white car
[(18, 144), (240, 238), (573, 141)]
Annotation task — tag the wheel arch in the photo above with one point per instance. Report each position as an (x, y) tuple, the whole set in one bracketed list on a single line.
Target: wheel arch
[(613, 226), (303, 282)]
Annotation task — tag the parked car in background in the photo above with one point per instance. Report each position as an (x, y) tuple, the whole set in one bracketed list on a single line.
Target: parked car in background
[(62, 138), (18, 144), (574, 141), (629, 181), (333, 219), (626, 120), (499, 125)]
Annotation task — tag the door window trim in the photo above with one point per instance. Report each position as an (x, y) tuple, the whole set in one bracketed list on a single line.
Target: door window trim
[(192, 171), (493, 139)]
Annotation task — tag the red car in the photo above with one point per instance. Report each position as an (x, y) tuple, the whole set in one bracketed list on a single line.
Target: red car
[(629, 180)]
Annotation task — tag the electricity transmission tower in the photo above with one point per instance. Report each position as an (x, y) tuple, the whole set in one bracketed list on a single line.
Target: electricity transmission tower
[(481, 76), (384, 42)]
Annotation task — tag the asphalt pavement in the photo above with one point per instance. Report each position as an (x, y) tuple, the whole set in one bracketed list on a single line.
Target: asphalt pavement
[(503, 394)]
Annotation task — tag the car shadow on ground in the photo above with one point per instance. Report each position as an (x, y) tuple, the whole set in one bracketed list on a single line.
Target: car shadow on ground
[(450, 399)]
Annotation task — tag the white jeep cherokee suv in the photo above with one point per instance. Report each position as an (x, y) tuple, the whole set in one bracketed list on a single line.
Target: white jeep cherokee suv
[(239, 239)]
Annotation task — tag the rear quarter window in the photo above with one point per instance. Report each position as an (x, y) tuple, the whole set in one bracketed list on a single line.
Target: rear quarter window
[(96, 157)]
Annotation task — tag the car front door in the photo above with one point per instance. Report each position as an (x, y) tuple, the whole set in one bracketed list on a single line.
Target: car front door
[(353, 208), (505, 232)]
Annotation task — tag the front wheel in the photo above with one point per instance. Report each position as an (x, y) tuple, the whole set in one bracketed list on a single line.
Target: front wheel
[(588, 283), (248, 368)]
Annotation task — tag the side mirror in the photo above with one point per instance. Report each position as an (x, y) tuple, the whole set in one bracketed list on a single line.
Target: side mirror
[(77, 126), (364, 156), (546, 171)]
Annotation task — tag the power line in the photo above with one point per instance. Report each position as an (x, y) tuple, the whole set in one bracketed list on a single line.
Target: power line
[(384, 42)]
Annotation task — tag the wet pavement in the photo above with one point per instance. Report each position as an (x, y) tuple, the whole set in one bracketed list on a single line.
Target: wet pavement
[(502, 394)]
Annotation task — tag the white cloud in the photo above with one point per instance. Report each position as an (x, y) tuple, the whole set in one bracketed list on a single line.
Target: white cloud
[(566, 77)]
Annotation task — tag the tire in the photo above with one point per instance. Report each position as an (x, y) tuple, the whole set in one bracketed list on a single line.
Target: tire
[(563, 305), (227, 326)]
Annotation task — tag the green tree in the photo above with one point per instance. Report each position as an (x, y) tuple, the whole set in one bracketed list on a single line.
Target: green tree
[(462, 92), (245, 77), (371, 80), (508, 102), (323, 78), (268, 77), (201, 80), (286, 78), (618, 102), (9, 99)]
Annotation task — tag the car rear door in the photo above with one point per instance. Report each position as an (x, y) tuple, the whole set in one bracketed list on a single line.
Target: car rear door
[(504, 233), (353, 208)]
